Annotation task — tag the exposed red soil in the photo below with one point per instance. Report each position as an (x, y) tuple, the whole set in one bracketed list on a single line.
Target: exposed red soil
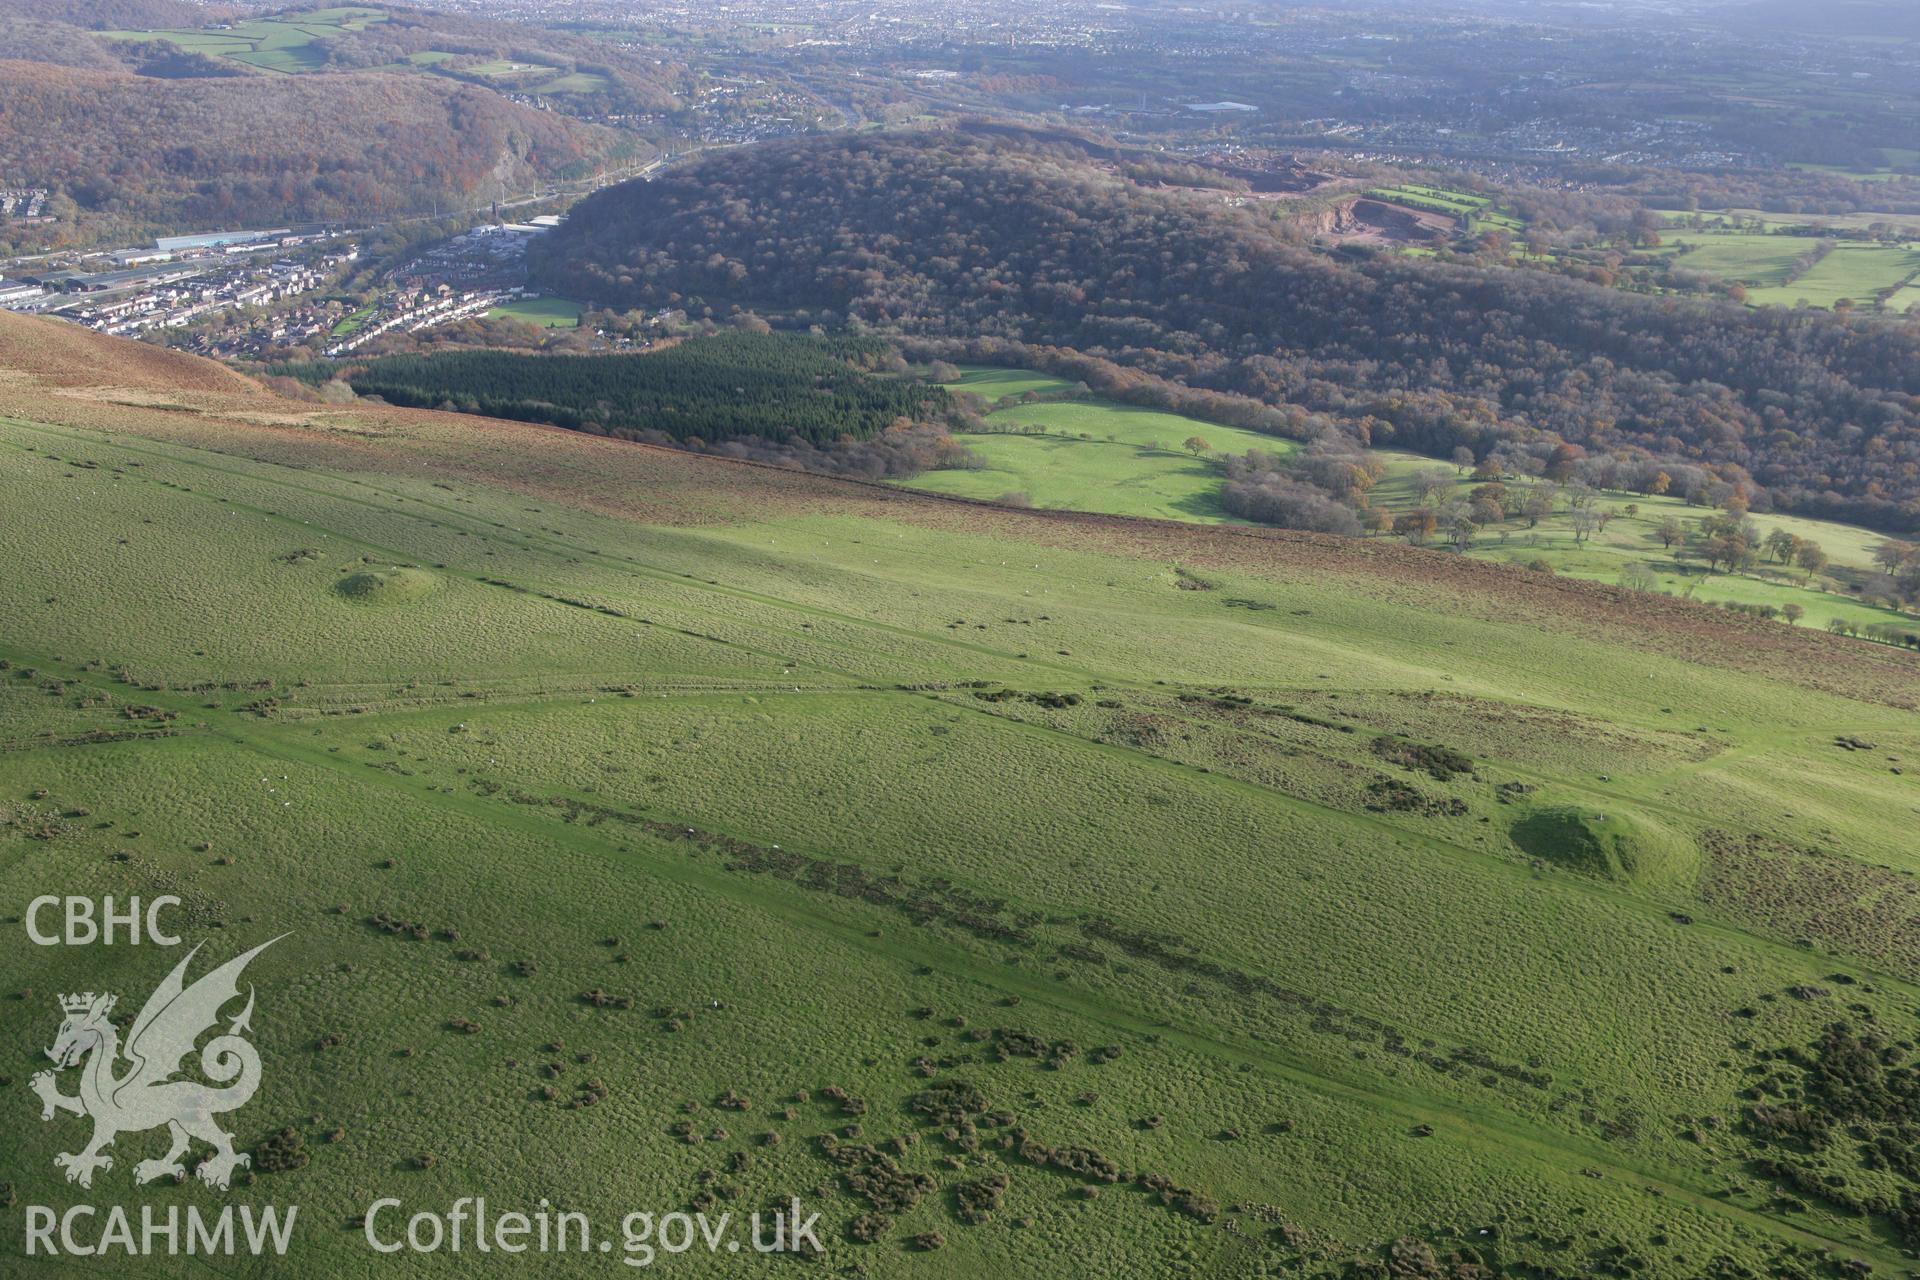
[(1369, 221)]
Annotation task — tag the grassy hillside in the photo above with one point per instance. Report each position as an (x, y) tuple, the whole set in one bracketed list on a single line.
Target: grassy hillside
[(352, 36), (286, 44), (1770, 255), (1250, 902)]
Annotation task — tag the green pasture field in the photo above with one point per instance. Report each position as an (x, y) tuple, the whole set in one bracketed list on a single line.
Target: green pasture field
[(1844, 221), (1094, 455), (576, 82), (548, 313), (1896, 162), (1858, 272), (1444, 200), (1078, 475), (535, 77), (1765, 262), (1457, 200), (1124, 476), (193, 41), (1859, 175), (289, 59), (993, 382), (1342, 908), (1751, 258), (504, 67), (288, 43), (348, 17)]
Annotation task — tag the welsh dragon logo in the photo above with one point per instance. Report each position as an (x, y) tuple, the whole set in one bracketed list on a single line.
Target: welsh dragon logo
[(146, 1095)]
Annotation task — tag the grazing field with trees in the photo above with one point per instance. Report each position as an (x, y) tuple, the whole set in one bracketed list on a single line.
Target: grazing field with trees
[(1047, 444), (1806, 572), (905, 793), (287, 44), (1790, 264)]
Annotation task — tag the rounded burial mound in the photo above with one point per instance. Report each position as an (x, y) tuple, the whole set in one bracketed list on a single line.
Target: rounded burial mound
[(1611, 845), (385, 586)]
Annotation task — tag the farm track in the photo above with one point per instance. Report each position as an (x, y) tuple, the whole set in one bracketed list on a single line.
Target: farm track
[(97, 738)]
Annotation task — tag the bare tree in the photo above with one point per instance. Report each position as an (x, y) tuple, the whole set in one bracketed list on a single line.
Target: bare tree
[(1640, 577), (1431, 481), (1811, 557), (1893, 553)]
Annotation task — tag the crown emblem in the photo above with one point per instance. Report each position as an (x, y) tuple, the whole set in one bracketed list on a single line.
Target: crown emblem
[(146, 1094)]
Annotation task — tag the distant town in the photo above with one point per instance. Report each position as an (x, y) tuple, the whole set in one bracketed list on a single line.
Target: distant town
[(328, 289)]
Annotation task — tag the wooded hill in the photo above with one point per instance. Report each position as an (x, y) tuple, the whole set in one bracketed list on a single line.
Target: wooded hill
[(971, 234), (256, 150)]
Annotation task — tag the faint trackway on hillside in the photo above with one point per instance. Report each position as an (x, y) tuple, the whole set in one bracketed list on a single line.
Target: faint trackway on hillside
[(1495, 1132), (1511, 1126), (1502, 1131), (563, 551), (1706, 923)]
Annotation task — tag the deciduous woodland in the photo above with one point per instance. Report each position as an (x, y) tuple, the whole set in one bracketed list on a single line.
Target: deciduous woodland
[(965, 234), (148, 153)]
